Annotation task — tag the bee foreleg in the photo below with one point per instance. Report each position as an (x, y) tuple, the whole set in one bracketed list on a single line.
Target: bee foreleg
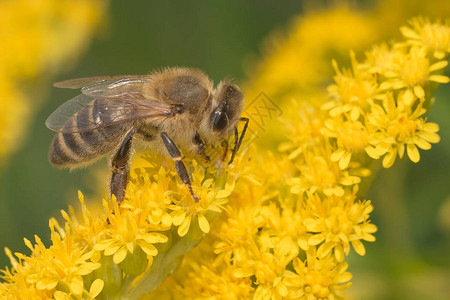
[(120, 166), (179, 165)]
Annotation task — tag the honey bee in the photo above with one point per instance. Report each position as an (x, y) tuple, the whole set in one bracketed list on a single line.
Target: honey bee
[(168, 109)]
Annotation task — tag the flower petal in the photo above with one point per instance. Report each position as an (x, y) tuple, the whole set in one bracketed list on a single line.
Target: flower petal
[(337, 155), (120, 255), (359, 247), (223, 194), (178, 217), (413, 152), (345, 160), (112, 249), (184, 227), (76, 285), (203, 223), (389, 159), (439, 78), (96, 287), (148, 248), (438, 65)]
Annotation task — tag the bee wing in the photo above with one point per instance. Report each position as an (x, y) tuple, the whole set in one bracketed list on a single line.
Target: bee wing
[(84, 113), (123, 87), (78, 83)]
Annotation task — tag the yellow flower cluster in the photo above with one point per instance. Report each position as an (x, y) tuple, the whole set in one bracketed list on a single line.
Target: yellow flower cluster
[(274, 244), (48, 272), (103, 254), (35, 46), (293, 219), (378, 105)]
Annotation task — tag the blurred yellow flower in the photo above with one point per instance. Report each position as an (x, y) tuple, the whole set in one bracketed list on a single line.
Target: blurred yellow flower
[(302, 53), (35, 46), (13, 113)]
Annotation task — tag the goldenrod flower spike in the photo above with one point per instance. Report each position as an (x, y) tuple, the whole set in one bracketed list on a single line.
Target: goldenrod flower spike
[(126, 250), (396, 92), (297, 215)]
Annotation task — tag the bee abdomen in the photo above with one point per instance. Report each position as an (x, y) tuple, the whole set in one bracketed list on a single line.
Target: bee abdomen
[(75, 145), (62, 153)]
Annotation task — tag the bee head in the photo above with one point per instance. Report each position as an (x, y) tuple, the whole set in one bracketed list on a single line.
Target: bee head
[(226, 108)]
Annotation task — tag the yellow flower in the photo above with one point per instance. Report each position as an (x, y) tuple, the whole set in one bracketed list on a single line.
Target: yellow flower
[(13, 115), (217, 282), (434, 37), (268, 265), (35, 33), (351, 137), (286, 222), (412, 70), (353, 92), (304, 123), (57, 270), (296, 62), (113, 250), (336, 222), (148, 193), (185, 209), (400, 127), (127, 230), (319, 174), (320, 277), (235, 234)]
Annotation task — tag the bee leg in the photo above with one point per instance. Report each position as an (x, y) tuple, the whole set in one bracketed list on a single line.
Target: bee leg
[(200, 147), (224, 144), (181, 168), (236, 139), (120, 166), (238, 142)]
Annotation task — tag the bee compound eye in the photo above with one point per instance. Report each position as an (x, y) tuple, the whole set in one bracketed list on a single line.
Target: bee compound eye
[(219, 120)]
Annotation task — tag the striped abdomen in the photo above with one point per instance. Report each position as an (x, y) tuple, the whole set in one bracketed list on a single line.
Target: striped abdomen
[(84, 136)]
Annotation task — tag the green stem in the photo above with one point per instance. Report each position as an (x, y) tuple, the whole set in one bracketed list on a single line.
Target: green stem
[(166, 263)]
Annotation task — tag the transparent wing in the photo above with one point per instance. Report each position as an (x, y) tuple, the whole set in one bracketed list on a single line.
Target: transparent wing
[(78, 83), (128, 87), (84, 113)]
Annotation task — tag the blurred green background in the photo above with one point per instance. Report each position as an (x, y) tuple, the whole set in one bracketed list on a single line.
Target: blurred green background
[(409, 260)]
